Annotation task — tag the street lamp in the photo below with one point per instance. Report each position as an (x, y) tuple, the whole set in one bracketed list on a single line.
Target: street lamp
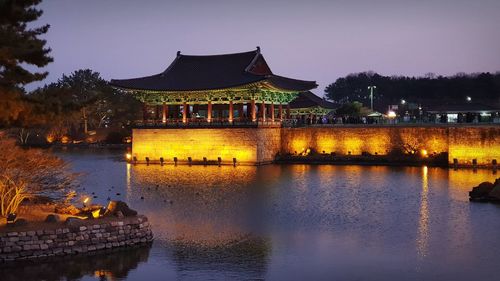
[(468, 98), (403, 101), (371, 95)]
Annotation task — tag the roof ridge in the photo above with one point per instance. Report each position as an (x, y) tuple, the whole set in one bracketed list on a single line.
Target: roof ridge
[(218, 55)]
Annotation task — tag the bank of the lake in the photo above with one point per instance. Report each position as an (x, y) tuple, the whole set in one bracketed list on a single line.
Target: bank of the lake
[(38, 240)]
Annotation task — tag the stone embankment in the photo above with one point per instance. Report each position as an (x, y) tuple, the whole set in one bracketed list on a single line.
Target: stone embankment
[(79, 236)]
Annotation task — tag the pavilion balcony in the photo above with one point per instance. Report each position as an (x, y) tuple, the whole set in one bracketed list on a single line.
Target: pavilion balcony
[(203, 123)]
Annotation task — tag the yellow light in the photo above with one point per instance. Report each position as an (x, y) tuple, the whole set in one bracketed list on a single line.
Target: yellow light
[(86, 200), (65, 139), (95, 214), (128, 156), (423, 152), (391, 114)]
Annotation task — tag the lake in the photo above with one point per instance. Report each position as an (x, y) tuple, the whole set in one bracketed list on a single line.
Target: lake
[(287, 222)]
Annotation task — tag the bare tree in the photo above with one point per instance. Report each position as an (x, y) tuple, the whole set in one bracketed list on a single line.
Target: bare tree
[(27, 173)]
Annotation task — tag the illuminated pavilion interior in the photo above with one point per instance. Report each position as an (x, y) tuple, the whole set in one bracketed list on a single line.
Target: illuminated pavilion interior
[(227, 88)]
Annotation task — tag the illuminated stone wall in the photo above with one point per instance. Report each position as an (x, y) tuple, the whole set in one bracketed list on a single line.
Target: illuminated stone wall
[(356, 140), (463, 143), (247, 145), (468, 143), (258, 146)]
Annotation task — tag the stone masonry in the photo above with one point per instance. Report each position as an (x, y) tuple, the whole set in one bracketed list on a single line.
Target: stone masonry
[(82, 237)]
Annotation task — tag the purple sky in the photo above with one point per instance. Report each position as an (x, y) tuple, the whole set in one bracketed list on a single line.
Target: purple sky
[(310, 40)]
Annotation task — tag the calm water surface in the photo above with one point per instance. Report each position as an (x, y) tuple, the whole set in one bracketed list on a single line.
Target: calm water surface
[(294, 222)]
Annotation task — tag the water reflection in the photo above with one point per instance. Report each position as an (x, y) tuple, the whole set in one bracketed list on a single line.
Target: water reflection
[(107, 265), (303, 222), (245, 257), (201, 204), (423, 222)]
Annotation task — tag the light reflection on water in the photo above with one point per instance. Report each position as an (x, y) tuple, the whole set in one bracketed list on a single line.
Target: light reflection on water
[(301, 222)]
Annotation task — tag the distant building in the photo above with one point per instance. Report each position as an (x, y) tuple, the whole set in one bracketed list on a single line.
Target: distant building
[(464, 113)]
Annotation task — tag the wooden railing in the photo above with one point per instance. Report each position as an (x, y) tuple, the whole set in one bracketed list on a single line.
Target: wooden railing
[(203, 123)]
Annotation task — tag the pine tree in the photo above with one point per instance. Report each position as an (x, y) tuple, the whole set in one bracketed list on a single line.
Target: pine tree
[(20, 46)]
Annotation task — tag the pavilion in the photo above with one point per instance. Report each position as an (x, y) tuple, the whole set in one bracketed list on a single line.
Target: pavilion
[(310, 105), (222, 89)]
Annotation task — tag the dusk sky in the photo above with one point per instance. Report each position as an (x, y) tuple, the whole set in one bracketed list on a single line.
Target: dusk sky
[(310, 40)]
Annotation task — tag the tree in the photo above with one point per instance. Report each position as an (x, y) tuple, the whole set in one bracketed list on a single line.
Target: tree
[(427, 90), (20, 46), (350, 109), (100, 104), (86, 87), (27, 173)]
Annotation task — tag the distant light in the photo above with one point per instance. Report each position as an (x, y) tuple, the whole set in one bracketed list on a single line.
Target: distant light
[(403, 101), (468, 98), (423, 152), (391, 114), (129, 156), (86, 200)]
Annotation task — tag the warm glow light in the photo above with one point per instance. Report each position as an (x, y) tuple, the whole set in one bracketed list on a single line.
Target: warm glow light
[(391, 114), (197, 144), (424, 152), (86, 200), (65, 139), (95, 214), (128, 156)]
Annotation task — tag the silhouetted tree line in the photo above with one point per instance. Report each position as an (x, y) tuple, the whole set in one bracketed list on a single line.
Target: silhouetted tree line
[(427, 90), (75, 104)]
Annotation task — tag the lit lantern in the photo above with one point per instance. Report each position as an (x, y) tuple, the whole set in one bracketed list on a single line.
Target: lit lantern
[(96, 213)]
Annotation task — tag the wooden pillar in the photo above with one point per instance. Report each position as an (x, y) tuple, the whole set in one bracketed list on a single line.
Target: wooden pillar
[(184, 112), (157, 112), (263, 111), (231, 111), (272, 111), (280, 112), (144, 112), (164, 113), (253, 111), (209, 112), (287, 111)]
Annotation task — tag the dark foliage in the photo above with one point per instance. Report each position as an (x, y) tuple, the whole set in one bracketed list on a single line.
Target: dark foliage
[(430, 89), (20, 46)]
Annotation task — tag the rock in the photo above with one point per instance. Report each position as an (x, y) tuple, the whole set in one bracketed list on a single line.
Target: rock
[(20, 222), (495, 192), (115, 206), (73, 221), (52, 218), (67, 209), (481, 191)]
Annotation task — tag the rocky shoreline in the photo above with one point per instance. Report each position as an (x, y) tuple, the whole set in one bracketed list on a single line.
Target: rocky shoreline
[(486, 192), (80, 237), (119, 226)]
